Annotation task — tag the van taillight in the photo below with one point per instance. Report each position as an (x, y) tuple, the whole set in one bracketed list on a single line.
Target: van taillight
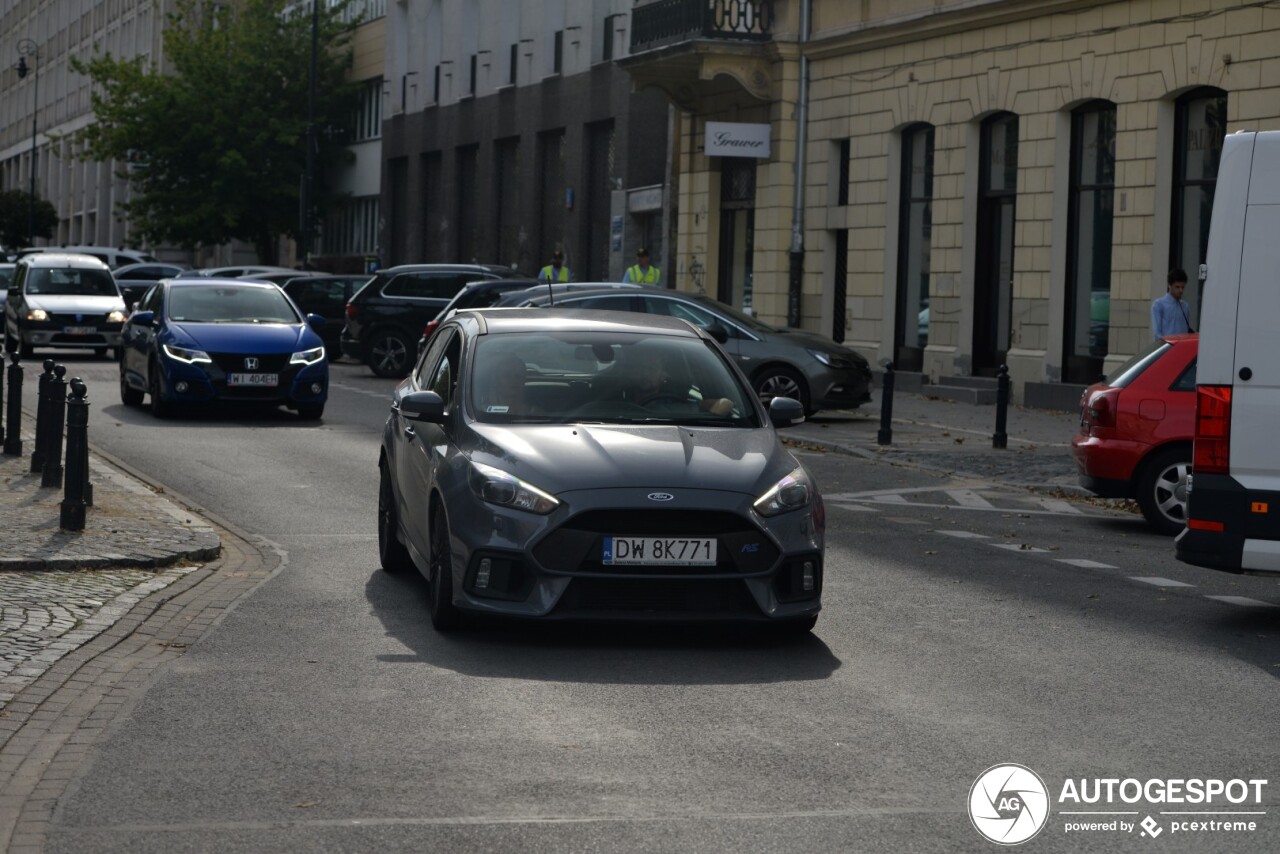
[(430, 328), (351, 310), (1212, 453), (1102, 407)]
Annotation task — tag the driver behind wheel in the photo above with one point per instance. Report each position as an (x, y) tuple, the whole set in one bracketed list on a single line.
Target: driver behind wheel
[(648, 384)]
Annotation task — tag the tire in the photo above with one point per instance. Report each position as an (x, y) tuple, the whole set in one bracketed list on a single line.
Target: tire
[(1162, 489), (159, 408), (779, 381), (390, 354), (26, 351), (129, 396), (392, 554), (444, 616), (310, 411)]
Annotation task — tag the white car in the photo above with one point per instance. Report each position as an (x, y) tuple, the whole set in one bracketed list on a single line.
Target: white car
[(66, 301)]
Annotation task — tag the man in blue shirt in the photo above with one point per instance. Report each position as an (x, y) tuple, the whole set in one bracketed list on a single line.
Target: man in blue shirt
[(1169, 314)]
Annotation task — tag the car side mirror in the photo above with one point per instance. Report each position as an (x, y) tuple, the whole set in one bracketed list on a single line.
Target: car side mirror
[(785, 412), (316, 322), (422, 406), (143, 318), (718, 332)]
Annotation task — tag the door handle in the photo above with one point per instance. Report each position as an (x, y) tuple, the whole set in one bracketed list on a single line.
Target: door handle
[(411, 433)]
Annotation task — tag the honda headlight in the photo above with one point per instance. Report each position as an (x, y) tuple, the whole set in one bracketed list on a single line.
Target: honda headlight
[(497, 487), (37, 314), (185, 354), (307, 357), (791, 493), (115, 317)]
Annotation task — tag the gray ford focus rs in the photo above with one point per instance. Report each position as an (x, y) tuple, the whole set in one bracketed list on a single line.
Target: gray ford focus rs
[(595, 465)]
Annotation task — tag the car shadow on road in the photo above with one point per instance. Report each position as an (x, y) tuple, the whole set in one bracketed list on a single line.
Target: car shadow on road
[(213, 415), (595, 653)]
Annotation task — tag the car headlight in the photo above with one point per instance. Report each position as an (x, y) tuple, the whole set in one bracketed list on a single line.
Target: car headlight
[(115, 317), (185, 354), (791, 493), (37, 314), (497, 487), (832, 360), (307, 357)]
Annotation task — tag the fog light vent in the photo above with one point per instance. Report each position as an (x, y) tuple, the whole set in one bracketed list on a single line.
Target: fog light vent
[(806, 577), (316, 388), (180, 387), (482, 573)]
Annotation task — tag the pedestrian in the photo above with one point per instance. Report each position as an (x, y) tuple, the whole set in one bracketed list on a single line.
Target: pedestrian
[(1169, 313), (642, 273), (556, 271)]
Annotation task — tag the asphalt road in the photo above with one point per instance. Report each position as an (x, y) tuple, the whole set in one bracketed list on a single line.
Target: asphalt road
[(964, 625)]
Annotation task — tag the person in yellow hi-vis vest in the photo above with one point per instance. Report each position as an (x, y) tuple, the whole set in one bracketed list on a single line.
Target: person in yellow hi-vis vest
[(642, 273), (556, 271)]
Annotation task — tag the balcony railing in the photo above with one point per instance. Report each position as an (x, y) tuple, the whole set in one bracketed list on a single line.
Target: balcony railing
[(667, 22)]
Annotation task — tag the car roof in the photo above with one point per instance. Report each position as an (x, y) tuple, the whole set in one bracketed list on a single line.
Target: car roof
[(63, 259), (505, 320), (462, 268), (207, 281)]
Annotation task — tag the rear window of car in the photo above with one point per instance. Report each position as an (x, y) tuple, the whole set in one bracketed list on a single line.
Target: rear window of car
[(1132, 369), (425, 285)]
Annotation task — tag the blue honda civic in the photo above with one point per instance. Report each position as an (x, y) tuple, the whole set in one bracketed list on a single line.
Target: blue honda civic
[(197, 341)]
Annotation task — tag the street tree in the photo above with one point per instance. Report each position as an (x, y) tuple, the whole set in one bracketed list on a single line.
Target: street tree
[(15, 216), (213, 144)]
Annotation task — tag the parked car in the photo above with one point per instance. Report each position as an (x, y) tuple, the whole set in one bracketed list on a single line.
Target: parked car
[(6, 276), (386, 318), (279, 277), (490, 292), (64, 301), (521, 477), (1136, 431), (114, 257), (236, 271), (795, 363), (200, 341), (326, 296), (134, 280)]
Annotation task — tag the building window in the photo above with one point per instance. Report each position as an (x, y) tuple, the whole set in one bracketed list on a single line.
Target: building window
[(993, 270), (511, 71), (557, 53), (367, 121), (842, 189), (1093, 179), (915, 238), (606, 51), (1201, 126), (435, 85), (471, 82), (351, 228), (506, 180), (839, 306)]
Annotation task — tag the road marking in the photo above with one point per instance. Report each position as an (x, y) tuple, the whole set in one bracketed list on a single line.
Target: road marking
[(1242, 600), (890, 498), (969, 498), (1084, 563), (1159, 582), (1019, 547), (965, 535), (861, 508), (1057, 505)]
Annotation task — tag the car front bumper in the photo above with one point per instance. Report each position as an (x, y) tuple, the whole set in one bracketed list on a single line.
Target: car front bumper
[(50, 335), (550, 567), (202, 382), (838, 388)]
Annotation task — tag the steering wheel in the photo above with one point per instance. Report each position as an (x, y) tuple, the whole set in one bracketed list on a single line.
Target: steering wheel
[(664, 396)]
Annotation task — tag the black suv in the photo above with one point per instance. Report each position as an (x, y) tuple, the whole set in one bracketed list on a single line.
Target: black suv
[(386, 317)]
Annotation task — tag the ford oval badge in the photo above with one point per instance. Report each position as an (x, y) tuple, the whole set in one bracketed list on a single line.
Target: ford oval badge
[(660, 496)]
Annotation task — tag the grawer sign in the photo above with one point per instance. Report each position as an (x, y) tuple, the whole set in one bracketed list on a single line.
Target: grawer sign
[(1010, 804), (737, 139)]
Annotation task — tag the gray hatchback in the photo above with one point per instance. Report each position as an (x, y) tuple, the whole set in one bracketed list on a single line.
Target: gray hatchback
[(587, 465), (785, 362)]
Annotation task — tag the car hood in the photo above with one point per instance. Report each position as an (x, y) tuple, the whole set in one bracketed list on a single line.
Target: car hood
[(75, 303), (239, 337), (814, 341), (565, 457)]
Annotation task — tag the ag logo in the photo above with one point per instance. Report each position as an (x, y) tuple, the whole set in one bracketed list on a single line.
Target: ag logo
[(1008, 804)]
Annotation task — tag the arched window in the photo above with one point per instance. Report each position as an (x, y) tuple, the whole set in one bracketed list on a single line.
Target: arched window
[(1093, 180), (915, 234), (1200, 127), (993, 272)]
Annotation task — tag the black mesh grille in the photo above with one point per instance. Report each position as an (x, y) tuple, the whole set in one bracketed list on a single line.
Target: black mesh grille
[(657, 597), (233, 363)]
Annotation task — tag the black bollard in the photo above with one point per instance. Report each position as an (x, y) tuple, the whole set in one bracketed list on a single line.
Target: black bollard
[(1000, 439), (42, 418), (51, 474), (72, 516), (885, 436), (13, 438)]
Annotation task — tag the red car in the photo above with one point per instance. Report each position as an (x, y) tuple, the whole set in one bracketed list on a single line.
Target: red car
[(1136, 429)]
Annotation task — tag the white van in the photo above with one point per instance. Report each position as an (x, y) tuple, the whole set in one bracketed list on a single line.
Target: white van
[(1233, 512)]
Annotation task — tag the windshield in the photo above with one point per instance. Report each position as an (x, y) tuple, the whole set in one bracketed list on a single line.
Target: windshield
[(230, 304), (71, 281), (606, 377)]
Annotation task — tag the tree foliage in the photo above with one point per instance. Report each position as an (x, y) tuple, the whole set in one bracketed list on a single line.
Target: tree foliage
[(214, 145), (15, 211)]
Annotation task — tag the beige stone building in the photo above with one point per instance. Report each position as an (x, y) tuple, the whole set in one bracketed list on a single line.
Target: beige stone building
[(983, 182)]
